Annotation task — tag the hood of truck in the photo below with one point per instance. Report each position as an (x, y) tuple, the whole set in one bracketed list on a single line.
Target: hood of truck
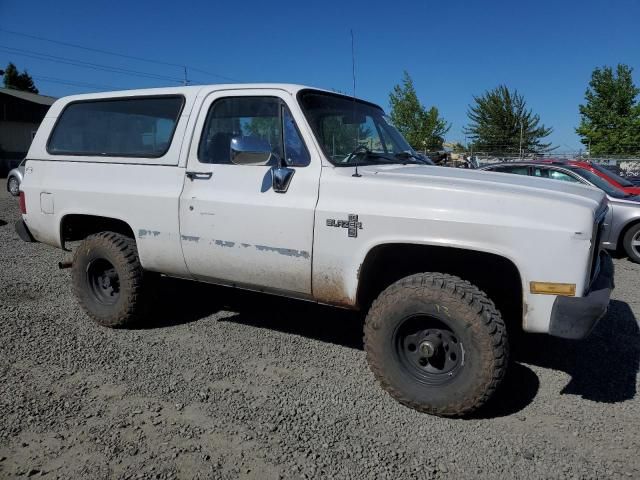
[(462, 199), (477, 181)]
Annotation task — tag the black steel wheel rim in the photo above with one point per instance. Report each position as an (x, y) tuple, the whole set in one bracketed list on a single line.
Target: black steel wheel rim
[(103, 281), (428, 349)]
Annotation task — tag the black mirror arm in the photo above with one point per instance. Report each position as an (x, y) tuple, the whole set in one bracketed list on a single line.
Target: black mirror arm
[(281, 178)]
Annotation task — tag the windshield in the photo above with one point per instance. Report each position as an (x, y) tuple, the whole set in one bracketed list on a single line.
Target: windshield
[(617, 178), (353, 132), (599, 182)]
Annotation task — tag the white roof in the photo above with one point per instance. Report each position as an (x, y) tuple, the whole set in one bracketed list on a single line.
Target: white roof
[(189, 91), (194, 89)]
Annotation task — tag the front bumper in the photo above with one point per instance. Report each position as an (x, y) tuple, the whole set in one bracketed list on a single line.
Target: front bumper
[(575, 317), (23, 231)]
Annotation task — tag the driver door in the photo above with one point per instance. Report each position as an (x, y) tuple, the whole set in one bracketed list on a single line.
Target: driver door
[(235, 228)]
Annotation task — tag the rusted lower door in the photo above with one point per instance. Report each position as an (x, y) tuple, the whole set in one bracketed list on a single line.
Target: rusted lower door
[(234, 227)]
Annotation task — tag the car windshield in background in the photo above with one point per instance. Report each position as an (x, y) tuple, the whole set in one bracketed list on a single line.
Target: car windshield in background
[(353, 132), (599, 182), (617, 178)]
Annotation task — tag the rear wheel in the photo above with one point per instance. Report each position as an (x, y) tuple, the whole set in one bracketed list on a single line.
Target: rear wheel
[(13, 185), (437, 344), (631, 243), (108, 279)]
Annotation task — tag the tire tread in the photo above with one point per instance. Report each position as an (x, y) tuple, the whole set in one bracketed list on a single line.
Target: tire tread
[(467, 294), (125, 250)]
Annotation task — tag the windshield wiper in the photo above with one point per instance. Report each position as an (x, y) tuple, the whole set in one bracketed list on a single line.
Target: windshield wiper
[(407, 155), (402, 157)]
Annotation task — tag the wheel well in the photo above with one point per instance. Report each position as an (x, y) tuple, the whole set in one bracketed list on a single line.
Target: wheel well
[(78, 227), (623, 232), (497, 276)]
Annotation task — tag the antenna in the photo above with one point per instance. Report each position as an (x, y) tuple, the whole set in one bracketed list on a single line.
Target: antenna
[(353, 72), (353, 67)]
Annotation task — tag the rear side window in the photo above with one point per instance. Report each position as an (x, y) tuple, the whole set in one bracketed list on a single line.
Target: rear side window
[(123, 127)]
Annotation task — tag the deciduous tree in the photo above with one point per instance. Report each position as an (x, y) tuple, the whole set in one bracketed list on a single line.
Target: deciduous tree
[(422, 127), (610, 117)]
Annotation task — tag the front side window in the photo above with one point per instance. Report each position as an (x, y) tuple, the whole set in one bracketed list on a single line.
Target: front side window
[(266, 119), (557, 175), (295, 151), (123, 127), (343, 126)]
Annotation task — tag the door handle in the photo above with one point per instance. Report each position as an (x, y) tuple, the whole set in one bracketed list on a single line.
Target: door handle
[(199, 175)]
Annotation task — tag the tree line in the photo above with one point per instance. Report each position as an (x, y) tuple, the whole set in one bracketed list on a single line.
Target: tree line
[(500, 122)]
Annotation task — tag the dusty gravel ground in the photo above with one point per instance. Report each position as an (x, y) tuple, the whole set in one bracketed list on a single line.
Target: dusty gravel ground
[(226, 384)]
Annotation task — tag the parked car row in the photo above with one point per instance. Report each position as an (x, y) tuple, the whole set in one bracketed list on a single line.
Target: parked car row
[(622, 223)]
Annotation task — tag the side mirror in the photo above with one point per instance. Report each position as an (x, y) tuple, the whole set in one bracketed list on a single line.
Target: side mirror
[(250, 151)]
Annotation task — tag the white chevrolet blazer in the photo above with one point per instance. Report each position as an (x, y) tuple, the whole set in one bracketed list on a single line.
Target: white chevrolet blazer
[(310, 194)]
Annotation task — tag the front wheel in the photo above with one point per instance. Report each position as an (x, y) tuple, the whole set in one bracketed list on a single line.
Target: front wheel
[(631, 243), (108, 279), (437, 344)]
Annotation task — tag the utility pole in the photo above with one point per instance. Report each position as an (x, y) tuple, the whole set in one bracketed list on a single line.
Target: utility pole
[(521, 130), (186, 80)]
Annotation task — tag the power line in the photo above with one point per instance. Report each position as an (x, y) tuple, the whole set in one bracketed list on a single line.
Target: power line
[(204, 72), (90, 65), (94, 86), (90, 49), (116, 54)]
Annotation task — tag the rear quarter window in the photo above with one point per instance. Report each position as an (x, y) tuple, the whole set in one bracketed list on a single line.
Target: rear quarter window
[(121, 127)]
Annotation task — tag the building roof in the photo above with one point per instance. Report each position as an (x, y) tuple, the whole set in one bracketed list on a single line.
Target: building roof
[(28, 96)]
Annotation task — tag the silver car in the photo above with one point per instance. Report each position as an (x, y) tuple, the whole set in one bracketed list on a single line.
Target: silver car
[(622, 224), (14, 179)]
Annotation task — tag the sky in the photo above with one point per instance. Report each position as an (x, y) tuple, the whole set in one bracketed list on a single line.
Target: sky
[(452, 49)]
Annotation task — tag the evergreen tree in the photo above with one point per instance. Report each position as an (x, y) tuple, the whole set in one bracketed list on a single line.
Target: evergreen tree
[(18, 81), (610, 118), (499, 120), (423, 128)]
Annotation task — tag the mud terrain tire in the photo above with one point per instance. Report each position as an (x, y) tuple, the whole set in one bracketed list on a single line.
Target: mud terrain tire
[(437, 344), (108, 279)]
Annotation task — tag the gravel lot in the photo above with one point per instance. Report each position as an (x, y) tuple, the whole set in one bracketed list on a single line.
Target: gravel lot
[(227, 384)]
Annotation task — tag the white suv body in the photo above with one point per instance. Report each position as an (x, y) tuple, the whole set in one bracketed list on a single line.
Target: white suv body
[(522, 239)]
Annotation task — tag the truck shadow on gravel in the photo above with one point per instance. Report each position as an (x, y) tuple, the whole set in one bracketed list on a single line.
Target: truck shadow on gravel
[(603, 367), (296, 317)]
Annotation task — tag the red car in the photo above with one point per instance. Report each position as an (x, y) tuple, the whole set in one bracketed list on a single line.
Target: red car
[(603, 172)]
